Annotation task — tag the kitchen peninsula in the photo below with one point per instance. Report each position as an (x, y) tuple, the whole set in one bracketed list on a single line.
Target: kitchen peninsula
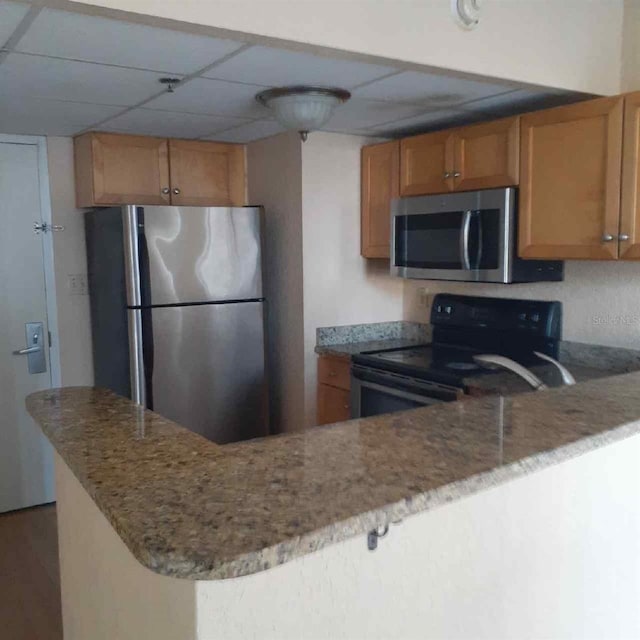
[(523, 501)]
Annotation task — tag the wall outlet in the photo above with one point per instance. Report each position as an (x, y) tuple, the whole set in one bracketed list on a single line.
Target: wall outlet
[(424, 298), (78, 284)]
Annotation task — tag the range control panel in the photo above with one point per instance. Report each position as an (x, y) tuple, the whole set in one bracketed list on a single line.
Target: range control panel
[(541, 318)]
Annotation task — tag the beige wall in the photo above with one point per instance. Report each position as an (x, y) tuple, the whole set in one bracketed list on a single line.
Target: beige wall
[(601, 300), (340, 287), (274, 179), (630, 77), (573, 45), (70, 257)]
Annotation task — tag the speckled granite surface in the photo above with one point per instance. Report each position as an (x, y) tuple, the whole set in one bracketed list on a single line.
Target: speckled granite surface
[(400, 330), (188, 508), (348, 349)]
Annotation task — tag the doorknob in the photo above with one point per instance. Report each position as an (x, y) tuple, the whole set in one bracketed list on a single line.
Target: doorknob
[(36, 358)]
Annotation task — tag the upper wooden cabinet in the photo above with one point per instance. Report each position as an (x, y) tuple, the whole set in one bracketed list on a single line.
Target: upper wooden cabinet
[(113, 169), (203, 173), (629, 237), (487, 155), (481, 156), (570, 182), (424, 162), (380, 176), (116, 169)]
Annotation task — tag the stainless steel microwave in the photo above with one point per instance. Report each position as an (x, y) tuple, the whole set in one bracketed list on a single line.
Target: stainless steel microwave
[(469, 236)]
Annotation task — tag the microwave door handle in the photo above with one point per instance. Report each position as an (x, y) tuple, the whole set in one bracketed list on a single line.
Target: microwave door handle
[(479, 259), (464, 240)]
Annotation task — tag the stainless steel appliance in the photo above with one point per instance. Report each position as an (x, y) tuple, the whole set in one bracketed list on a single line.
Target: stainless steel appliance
[(469, 236), (178, 314), (463, 327)]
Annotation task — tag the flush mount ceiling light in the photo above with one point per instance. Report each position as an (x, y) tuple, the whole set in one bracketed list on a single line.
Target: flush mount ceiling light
[(466, 13), (303, 109)]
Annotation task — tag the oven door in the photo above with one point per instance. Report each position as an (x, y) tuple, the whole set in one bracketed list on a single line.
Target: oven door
[(374, 392), (458, 236)]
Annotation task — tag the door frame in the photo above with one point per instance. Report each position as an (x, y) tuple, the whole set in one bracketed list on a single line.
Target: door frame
[(47, 249)]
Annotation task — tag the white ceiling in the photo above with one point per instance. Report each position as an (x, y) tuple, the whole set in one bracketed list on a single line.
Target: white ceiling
[(62, 73)]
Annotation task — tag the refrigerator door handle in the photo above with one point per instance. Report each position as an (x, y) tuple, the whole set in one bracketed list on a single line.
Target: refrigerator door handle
[(136, 358), (131, 255)]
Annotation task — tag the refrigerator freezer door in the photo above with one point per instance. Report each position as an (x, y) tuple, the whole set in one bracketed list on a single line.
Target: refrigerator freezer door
[(205, 368), (199, 254)]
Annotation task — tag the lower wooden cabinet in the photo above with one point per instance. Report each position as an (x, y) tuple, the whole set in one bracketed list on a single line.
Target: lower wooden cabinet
[(334, 395), (333, 404)]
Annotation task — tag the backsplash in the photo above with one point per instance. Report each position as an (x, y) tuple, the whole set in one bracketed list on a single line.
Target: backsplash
[(373, 331), (601, 300)]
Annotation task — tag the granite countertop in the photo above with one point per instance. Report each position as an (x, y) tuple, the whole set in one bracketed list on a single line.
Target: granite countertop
[(189, 508), (348, 349)]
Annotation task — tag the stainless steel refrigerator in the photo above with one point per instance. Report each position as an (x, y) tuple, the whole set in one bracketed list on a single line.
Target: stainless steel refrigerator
[(178, 314)]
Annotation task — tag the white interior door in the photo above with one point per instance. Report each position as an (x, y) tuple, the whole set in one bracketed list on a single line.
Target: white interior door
[(26, 460)]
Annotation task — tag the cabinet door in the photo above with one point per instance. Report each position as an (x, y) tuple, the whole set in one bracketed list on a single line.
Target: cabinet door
[(487, 155), (380, 184), (207, 173), (570, 181), (426, 163), (630, 205), (114, 169), (333, 404)]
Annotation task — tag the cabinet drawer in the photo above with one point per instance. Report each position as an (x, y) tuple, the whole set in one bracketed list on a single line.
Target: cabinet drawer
[(333, 404), (335, 372)]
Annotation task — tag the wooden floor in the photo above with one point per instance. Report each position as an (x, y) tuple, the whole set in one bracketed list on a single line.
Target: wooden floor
[(29, 575)]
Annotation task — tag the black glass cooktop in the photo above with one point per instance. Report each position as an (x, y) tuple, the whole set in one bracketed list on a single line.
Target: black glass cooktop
[(428, 362)]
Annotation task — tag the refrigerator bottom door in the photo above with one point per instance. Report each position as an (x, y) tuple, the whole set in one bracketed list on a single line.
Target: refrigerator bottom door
[(205, 368)]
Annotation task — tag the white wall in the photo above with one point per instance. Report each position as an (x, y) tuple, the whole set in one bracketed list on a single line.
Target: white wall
[(601, 300), (340, 287), (274, 180), (74, 324), (573, 45)]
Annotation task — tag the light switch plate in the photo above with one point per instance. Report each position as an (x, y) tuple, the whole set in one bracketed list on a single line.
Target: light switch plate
[(78, 284)]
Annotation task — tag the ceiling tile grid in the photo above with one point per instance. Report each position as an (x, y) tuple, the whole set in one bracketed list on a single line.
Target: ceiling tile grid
[(11, 15), (94, 39), (63, 73)]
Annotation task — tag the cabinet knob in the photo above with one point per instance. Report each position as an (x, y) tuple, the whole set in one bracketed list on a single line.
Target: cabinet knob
[(623, 237), (166, 190), (346, 406), (607, 237), (456, 174), (447, 174), (176, 190)]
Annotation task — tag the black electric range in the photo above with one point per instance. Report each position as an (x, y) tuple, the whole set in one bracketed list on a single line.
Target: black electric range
[(463, 326)]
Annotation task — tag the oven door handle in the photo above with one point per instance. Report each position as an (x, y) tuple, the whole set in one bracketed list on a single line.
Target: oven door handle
[(464, 240), (392, 391)]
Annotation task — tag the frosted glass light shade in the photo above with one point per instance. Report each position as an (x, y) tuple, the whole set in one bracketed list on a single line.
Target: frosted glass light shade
[(303, 109)]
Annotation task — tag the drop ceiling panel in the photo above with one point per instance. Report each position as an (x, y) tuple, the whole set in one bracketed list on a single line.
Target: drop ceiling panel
[(48, 117), (248, 132), (360, 114), (169, 124), (11, 14), (49, 78), (212, 97), (429, 89), (95, 39), (277, 67)]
